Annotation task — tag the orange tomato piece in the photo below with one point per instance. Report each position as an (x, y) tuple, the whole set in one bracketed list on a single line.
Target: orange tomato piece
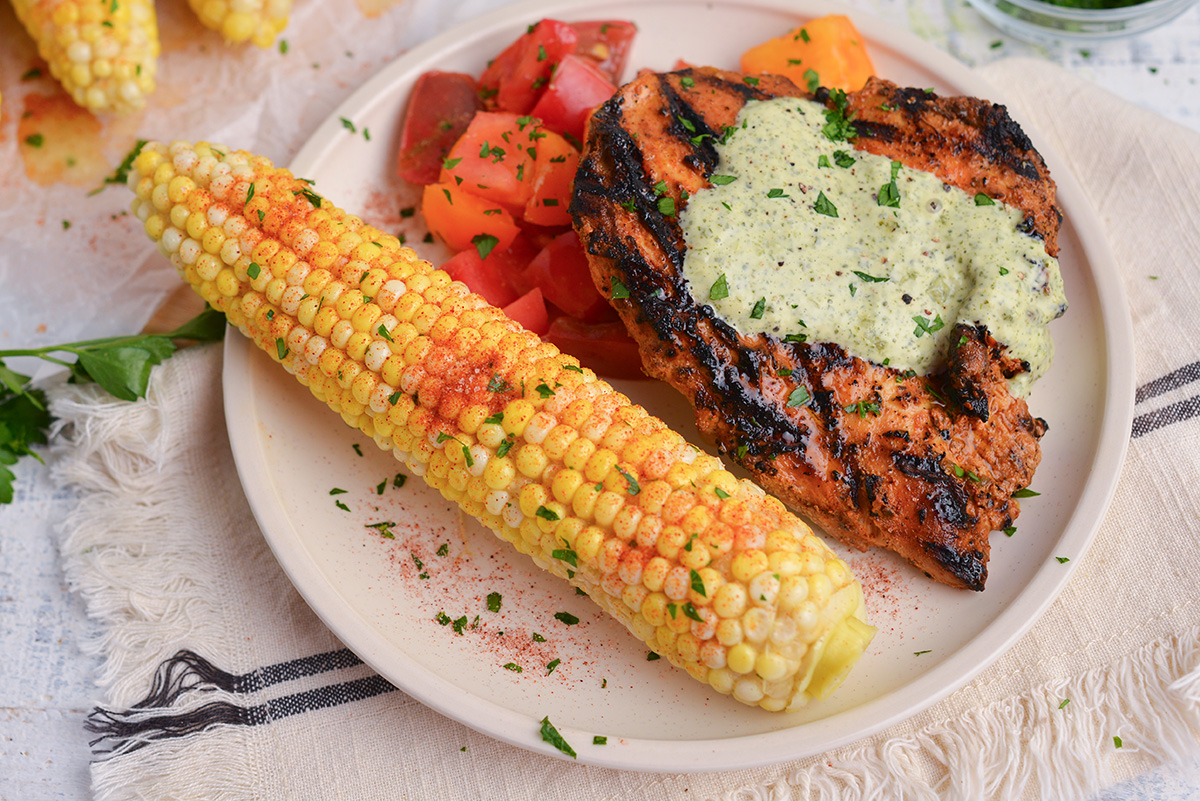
[(463, 220), (829, 46), (553, 176), (492, 160)]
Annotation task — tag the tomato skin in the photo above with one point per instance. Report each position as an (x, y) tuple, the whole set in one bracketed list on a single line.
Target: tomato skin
[(561, 271), (553, 176), (515, 79), (504, 174), (457, 217), (439, 109), (606, 43), (578, 86), (530, 311), (482, 278), (604, 347)]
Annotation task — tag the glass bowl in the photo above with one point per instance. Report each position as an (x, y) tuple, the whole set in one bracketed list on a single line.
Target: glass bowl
[(1042, 22)]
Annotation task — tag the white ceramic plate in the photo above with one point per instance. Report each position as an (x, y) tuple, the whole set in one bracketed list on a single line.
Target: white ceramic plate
[(376, 597)]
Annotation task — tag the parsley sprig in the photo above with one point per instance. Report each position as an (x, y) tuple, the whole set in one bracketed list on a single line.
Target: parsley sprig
[(121, 365)]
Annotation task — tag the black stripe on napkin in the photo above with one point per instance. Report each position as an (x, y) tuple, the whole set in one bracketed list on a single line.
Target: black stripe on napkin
[(188, 671), (1175, 413), (123, 731), (1184, 375)]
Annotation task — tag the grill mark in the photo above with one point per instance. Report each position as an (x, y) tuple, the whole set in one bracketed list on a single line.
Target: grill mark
[(947, 495), (704, 155)]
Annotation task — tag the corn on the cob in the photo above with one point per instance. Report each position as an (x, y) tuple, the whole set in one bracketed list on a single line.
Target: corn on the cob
[(711, 573), (104, 52), (257, 21)]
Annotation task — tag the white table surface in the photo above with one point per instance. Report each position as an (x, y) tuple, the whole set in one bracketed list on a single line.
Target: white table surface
[(47, 681)]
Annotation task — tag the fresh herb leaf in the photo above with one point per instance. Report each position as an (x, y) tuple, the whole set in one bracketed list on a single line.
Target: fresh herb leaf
[(493, 601), (927, 326), (551, 736), (719, 289), (1025, 493), (983, 200), (759, 309), (546, 514), (872, 279), (566, 617), (722, 180), (823, 206), (798, 397), (619, 290)]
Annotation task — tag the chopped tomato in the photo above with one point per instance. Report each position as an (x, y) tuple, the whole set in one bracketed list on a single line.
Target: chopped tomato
[(462, 220), (439, 108), (578, 86), (492, 158), (482, 278), (553, 175), (530, 311), (607, 43), (561, 271), (829, 48), (515, 79), (604, 347)]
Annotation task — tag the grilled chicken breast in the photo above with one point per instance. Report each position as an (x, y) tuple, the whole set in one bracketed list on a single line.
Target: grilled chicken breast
[(934, 471)]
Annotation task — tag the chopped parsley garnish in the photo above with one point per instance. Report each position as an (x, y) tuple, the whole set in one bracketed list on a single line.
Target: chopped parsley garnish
[(566, 555), (1065, 701), (619, 290), (863, 408), (750, 80), (399, 480), (538, 638), (690, 612), (484, 244), (1062, 560), (697, 581), (546, 514), (719, 289), (632, 488), (550, 666), (722, 180), (872, 279), (927, 326), (566, 617), (493, 601), (823, 206), (498, 417), (35, 140), (889, 193), (514, 667), (443, 549), (544, 390), (253, 270), (341, 506), (823, 161), (281, 348), (1117, 742), (1009, 530), (687, 81), (773, 193), (498, 384), (919, 653), (799, 397), (600, 739), (666, 206), (843, 159), (551, 736), (1025, 493), (652, 657), (380, 487), (983, 200), (838, 125), (506, 446), (348, 125), (383, 332), (759, 308), (804, 36), (447, 164), (811, 80)]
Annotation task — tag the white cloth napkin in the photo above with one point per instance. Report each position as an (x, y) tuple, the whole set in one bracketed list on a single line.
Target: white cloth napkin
[(266, 703)]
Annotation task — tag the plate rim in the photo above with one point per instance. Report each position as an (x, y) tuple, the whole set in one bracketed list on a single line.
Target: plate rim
[(750, 750)]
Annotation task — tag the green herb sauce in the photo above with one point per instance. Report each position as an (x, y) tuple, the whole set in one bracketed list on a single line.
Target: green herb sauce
[(878, 258)]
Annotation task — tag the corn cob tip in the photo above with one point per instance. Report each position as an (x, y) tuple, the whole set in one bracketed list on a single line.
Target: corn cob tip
[(103, 52), (238, 21), (707, 570)]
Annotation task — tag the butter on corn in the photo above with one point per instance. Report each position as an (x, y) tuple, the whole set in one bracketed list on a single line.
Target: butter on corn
[(704, 568), (103, 52), (257, 21)]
